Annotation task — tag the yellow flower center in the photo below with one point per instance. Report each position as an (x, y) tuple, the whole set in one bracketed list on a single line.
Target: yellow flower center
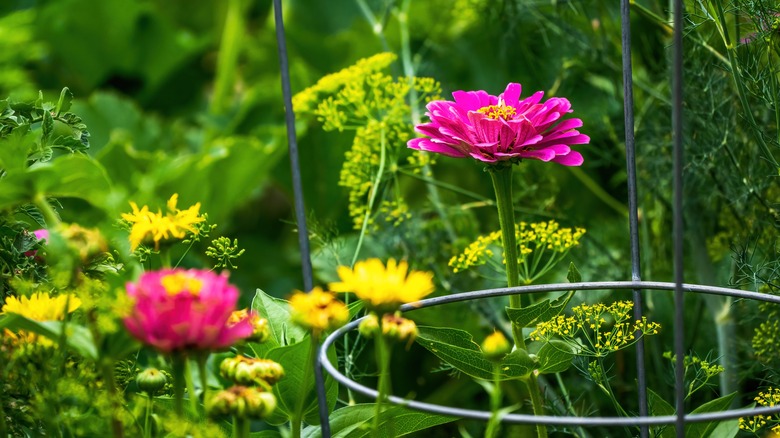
[(498, 111), (178, 282)]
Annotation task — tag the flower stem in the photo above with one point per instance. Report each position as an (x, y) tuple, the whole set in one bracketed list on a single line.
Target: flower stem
[(495, 403), (383, 386), (148, 416), (191, 387), (49, 215), (229, 51), (502, 185), (201, 360), (178, 384), (107, 367), (240, 427)]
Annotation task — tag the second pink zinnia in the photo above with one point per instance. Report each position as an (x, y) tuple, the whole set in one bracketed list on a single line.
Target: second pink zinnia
[(184, 310)]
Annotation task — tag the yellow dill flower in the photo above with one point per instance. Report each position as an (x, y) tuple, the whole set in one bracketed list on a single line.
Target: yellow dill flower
[(477, 253), (770, 397), (384, 288), (318, 310), (156, 227), (40, 307), (596, 329)]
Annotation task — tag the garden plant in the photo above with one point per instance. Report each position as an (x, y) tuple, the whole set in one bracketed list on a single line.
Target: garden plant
[(165, 272)]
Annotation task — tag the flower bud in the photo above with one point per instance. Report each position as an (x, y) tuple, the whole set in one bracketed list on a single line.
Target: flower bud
[(260, 333), (401, 329), (496, 346), (369, 326), (151, 380), (242, 402), (249, 371)]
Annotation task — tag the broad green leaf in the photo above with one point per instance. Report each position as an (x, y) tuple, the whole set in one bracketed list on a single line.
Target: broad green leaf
[(14, 149), (555, 357), (73, 176), (660, 407), (291, 389), (355, 422), (458, 349), (701, 430), (574, 275), (277, 312), (726, 429), (63, 104), (77, 338), (542, 311)]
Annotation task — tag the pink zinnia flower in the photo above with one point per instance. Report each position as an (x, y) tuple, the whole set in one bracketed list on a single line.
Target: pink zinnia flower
[(502, 128), (178, 310), (42, 234)]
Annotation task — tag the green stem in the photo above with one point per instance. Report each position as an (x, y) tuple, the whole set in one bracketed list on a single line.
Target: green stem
[(374, 191), (179, 361), (165, 258), (296, 422), (383, 386), (240, 427), (502, 185), (49, 215), (229, 50), (537, 402), (201, 360), (600, 193), (148, 416), (107, 368), (191, 387), (495, 403)]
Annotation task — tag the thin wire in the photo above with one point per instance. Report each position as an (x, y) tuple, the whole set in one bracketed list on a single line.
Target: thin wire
[(679, 298), (633, 215), (549, 419), (300, 209)]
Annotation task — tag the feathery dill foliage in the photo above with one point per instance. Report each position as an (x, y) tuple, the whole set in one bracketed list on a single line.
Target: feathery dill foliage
[(375, 105)]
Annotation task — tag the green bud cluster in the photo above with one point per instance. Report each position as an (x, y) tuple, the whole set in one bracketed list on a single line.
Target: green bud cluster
[(250, 371), (242, 402)]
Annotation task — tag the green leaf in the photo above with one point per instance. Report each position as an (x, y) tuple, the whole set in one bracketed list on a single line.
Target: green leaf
[(63, 104), (555, 357), (73, 176), (458, 349), (542, 311), (290, 390), (47, 127), (396, 421), (266, 434), (574, 275), (701, 430), (726, 429), (277, 312), (660, 407), (77, 338)]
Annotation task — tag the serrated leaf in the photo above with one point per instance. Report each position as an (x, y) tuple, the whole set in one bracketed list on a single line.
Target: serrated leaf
[(290, 390), (458, 349), (574, 275), (63, 104), (47, 127), (555, 357), (277, 312), (702, 430), (396, 421)]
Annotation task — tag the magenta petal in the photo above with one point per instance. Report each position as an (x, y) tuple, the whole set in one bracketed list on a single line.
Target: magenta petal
[(573, 158), (512, 94), (541, 154)]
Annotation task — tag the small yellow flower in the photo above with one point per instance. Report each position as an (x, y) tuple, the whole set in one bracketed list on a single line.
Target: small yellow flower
[(156, 227), (40, 307), (384, 288), (318, 310)]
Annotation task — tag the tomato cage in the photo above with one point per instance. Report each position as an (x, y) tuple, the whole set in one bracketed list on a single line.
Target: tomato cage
[(637, 287)]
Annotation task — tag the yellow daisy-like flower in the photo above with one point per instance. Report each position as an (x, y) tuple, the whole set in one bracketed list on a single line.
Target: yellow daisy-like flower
[(156, 227), (40, 307), (318, 310), (384, 288)]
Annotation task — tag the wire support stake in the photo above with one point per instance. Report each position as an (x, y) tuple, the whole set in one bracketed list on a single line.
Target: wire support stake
[(679, 298), (633, 207), (300, 210)]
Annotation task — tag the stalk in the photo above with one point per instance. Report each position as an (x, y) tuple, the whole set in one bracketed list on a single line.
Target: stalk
[(229, 49), (383, 386), (495, 403), (178, 384), (502, 184), (240, 427)]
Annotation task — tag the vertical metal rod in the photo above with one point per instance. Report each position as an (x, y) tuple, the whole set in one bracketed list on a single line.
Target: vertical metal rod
[(677, 135), (300, 210), (633, 214)]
